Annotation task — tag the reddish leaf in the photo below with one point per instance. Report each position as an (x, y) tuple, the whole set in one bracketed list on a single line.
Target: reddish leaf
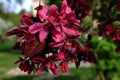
[(15, 31), (34, 47)]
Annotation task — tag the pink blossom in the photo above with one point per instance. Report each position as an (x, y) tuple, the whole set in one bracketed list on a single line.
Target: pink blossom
[(26, 19)]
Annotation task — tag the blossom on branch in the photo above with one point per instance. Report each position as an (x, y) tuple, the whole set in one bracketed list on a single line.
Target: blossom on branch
[(49, 39)]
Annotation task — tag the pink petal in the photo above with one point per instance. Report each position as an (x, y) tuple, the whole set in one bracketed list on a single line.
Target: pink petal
[(64, 66), (70, 30), (61, 54), (54, 69), (41, 69), (38, 59), (52, 20), (43, 34), (42, 13), (53, 11), (65, 8), (58, 36), (35, 27), (75, 36), (55, 44), (71, 17)]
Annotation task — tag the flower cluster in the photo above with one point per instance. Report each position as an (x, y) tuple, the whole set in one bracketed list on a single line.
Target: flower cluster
[(106, 28), (48, 40), (81, 7), (109, 30)]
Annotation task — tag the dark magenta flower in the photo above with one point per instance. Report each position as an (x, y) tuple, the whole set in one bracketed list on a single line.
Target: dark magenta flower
[(91, 57), (66, 20), (116, 36), (81, 7), (25, 65), (109, 29), (22, 33), (46, 64), (27, 43), (26, 19)]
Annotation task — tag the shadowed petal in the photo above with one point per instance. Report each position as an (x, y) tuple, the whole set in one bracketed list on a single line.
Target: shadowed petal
[(15, 31), (33, 48), (58, 37), (70, 30), (35, 27), (56, 44), (38, 59)]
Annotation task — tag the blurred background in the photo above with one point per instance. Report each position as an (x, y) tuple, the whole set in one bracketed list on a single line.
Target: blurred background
[(106, 68)]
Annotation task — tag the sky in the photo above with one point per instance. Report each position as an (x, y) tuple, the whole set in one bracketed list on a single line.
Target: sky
[(27, 5)]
